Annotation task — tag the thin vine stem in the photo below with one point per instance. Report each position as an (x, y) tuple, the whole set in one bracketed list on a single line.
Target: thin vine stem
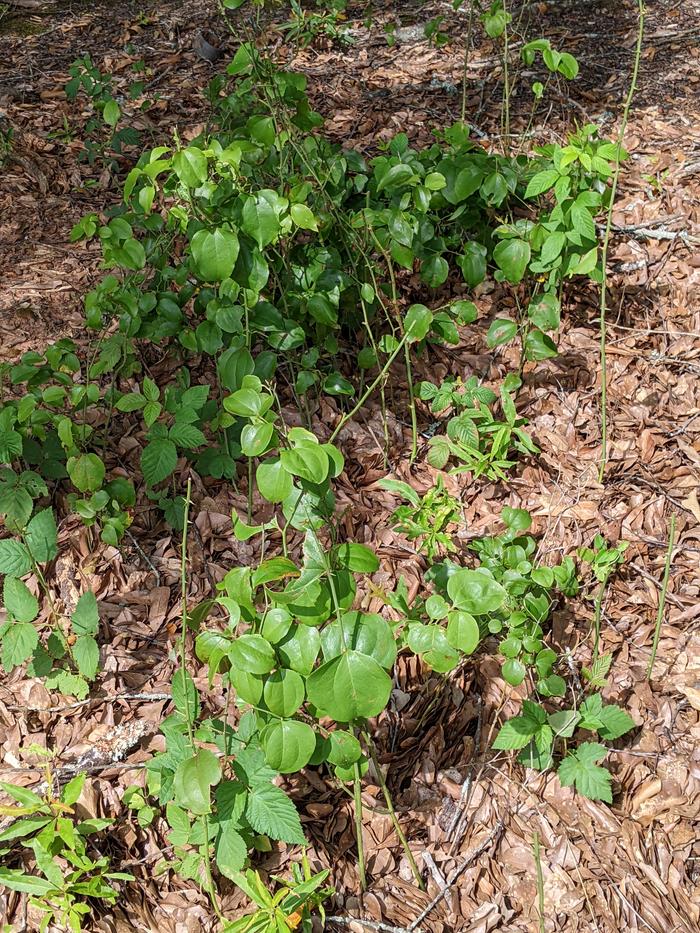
[(662, 596), (357, 796), (606, 243), (392, 813)]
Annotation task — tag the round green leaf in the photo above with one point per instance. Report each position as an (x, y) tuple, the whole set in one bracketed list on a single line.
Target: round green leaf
[(86, 472), (215, 253), (430, 642), (513, 672), (193, 780), (300, 648), (368, 633), (252, 653), (345, 749), (255, 438), (512, 257), (288, 745), (501, 331), (351, 686), (308, 461), (284, 692), (463, 632), (417, 322), (475, 592), (274, 482)]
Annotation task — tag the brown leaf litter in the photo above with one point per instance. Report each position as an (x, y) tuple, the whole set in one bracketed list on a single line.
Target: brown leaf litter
[(470, 814)]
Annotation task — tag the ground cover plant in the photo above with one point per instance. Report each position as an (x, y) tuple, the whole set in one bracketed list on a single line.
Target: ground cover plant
[(263, 290)]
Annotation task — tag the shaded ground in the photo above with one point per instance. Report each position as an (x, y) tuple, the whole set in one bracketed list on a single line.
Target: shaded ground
[(634, 866)]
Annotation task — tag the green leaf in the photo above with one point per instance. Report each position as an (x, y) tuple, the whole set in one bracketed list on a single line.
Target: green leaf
[(544, 312), (42, 536), (255, 438), (582, 221), (351, 686), (512, 257), (515, 733), (16, 880), (185, 696), (513, 672), (475, 592), (86, 617), (585, 264), (252, 653), (260, 221), (501, 331), (369, 634), (463, 632), (190, 166), (270, 811), (186, 435), (434, 271), (581, 768), (158, 460), (86, 655), (18, 644), (473, 263), (396, 177), (214, 253), (22, 795), (87, 472), (516, 519), (552, 247), (614, 722), (539, 346), (274, 482), (194, 778), (231, 850), (284, 692), (19, 600), (303, 217), (299, 649), (417, 322), (541, 182), (111, 112), (307, 461), (357, 557), (430, 642), (288, 745), (564, 723), (14, 558), (132, 401)]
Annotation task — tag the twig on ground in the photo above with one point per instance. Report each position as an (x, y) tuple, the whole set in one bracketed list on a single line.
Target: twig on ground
[(664, 594), (93, 699), (646, 232), (435, 872), (491, 838), (458, 826), (370, 924)]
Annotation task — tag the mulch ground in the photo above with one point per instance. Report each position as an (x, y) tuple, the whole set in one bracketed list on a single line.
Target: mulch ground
[(465, 809)]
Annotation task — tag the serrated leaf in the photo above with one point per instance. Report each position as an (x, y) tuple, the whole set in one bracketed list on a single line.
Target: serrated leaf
[(19, 600), (614, 722), (270, 811), (42, 536), (581, 768), (18, 644), (86, 616), (86, 655), (515, 733), (186, 435), (14, 558), (231, 850), (158, 460)]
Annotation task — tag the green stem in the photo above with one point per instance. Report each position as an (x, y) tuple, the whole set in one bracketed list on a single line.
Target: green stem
[(540, 880), (357, 796), (368, 391), (597, 613), (465, 64), (211, 890), (604, 250), (662, 597), (411, 404), (392, 812)]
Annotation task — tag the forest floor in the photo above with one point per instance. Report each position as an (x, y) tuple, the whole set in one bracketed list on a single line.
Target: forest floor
[(464, 808)]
